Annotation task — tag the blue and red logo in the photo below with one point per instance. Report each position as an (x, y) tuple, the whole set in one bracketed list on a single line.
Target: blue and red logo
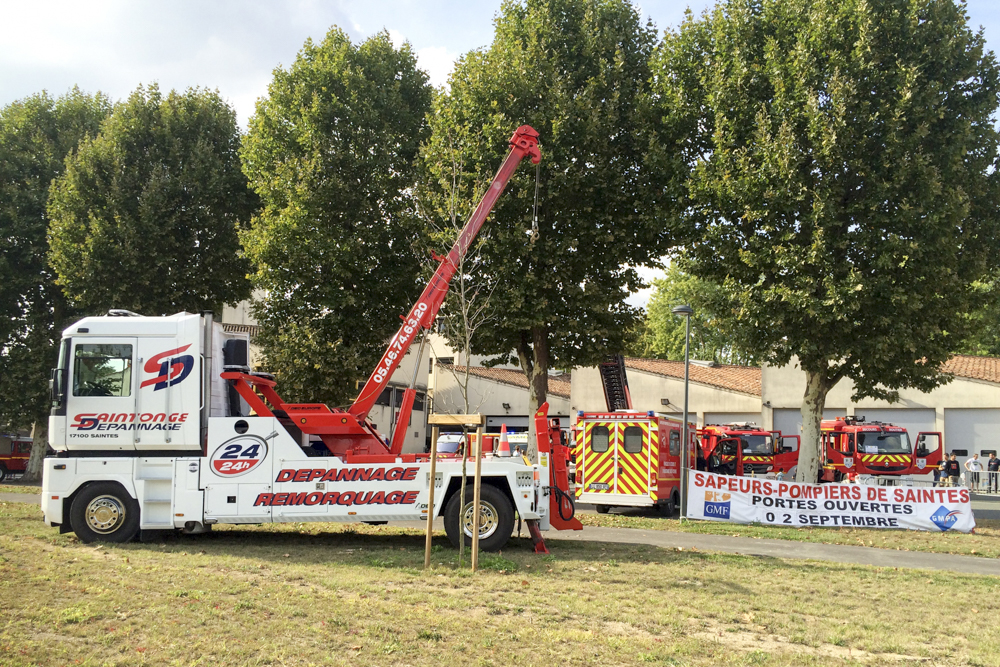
[(169, 369), (944, 518)]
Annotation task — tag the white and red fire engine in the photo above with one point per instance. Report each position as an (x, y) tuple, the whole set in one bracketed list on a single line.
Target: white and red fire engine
[(746, 449), (853, 446), (159, 424)]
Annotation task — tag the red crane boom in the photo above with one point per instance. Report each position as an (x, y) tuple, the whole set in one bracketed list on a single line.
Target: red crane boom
[(350, 433), (523, 144)]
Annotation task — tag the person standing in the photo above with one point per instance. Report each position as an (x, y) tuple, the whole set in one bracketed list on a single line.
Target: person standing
[(954, 470), (940, 473), (993, 472), (974, 466)]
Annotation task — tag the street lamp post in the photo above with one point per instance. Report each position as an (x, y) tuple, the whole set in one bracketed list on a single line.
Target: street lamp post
[(686, 311)]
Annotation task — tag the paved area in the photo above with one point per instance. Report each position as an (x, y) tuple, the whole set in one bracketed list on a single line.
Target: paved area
[(836, 553)]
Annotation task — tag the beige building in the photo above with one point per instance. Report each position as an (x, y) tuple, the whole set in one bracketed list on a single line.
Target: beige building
[(501, 394), (966, 410), (718, 393)]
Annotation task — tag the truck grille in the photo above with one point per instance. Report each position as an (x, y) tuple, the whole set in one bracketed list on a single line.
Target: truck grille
[(756, 468), (885, 468)]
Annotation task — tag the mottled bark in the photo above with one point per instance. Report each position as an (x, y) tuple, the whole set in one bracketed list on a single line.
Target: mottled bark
[(810, 453), (39, 445)]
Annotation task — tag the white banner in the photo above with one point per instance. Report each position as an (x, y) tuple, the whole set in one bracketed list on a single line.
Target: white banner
[(774, 503)]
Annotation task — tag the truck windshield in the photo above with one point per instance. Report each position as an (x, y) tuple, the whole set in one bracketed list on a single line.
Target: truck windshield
[(884, 443), (759, 445)]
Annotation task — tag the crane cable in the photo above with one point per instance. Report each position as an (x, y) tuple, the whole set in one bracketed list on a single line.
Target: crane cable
[(534, 219)]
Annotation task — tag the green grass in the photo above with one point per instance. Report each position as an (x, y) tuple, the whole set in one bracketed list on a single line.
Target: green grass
[(985, 542), (20, 488), (330, 594)]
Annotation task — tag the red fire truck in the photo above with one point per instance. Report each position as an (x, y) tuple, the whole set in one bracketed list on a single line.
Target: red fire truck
[(745, 449), (625, 457), (853, 445), (14, 462)]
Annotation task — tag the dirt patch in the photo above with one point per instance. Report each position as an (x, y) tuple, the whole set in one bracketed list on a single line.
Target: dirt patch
[(756, 638)]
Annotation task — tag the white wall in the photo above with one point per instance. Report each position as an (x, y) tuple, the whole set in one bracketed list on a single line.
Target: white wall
[(647, 390), (963, 409), (487, 397)]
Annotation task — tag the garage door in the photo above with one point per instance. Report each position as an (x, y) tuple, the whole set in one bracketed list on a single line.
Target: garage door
[(733, 417), (972, 429), (914, 420), (789, 420)]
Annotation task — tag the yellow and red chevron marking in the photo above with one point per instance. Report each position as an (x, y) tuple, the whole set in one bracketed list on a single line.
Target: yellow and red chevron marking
[(885, 458), (633, 475), (654, 458), (578, 457), (599, 467), (727, 458), (757, 459)]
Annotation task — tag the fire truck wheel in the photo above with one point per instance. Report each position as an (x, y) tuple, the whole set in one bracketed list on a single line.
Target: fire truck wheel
[(667, 507), (3, 473), (104, 512), (602, 509), (496, 521)]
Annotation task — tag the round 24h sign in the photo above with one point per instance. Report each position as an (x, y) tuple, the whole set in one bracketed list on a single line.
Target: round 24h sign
[(238, 456)]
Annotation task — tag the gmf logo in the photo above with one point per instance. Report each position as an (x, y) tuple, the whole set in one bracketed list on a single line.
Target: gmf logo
[(717, 505), (169, 369)]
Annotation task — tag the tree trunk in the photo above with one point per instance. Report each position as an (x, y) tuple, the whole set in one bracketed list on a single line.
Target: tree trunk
[(533, 353), (810, 452), (39, 445)]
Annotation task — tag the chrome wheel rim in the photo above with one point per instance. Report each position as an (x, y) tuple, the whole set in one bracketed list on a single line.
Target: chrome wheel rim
[(488, 519), (105, 514)]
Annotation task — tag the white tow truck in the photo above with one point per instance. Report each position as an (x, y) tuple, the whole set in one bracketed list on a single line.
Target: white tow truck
[(158, 423)]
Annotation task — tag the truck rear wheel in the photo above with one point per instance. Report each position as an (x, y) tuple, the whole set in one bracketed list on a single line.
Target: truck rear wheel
[(3, 473), (104, 512), (602, 509), (496, 521)]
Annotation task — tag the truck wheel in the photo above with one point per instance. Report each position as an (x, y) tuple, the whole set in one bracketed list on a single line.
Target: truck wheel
[(3, 473), (667, 507), (496, 521), (104, 512), (602, 509)]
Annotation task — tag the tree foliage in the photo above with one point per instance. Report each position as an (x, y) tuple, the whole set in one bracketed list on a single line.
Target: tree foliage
[(331, 153), (577, 71), (663, 333), (36, 135), (146, 215), (842, 182)]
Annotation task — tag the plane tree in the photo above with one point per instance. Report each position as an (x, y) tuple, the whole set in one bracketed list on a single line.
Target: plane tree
[(578, 72), (36, 135), (842, 185)]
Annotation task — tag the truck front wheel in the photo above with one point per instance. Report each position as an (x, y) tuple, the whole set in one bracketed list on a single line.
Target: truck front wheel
[(3, 473), (104, 512), (496, 518)]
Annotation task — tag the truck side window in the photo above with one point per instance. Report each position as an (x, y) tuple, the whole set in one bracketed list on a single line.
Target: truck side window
[(633, 439), (675, 443), (102, 370), (599, 439)]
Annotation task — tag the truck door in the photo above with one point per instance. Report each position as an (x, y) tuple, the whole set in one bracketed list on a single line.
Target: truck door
[(599, 457), (168, 394), (632, 468), (927, 453), (100, 406)]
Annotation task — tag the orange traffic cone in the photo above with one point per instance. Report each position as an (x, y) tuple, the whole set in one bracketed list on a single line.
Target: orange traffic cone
[(504, 449)]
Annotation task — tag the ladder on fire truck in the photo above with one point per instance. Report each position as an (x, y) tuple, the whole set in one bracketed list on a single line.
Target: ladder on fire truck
[(615, 383)]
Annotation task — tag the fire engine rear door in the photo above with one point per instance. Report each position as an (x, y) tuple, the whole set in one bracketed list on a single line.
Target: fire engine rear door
[(632, 471), (599, 457)]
